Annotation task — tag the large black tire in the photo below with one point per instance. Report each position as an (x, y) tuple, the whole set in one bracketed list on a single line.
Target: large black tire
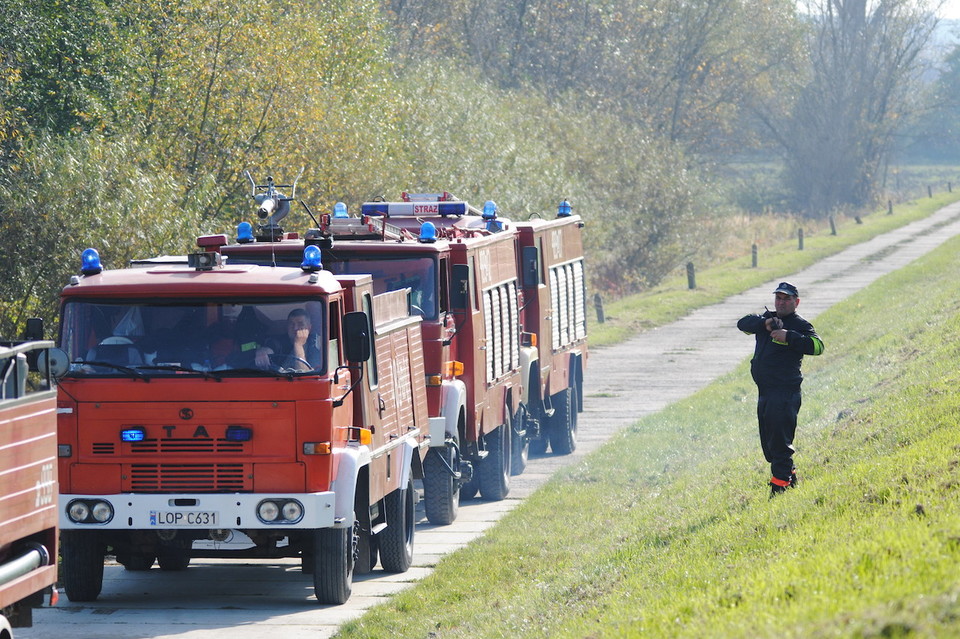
[(441, 490), (82, 567), (563, 424), (333, 564), (520, 443), (173, 559), (396, 540), (138, 563), (494, 470)]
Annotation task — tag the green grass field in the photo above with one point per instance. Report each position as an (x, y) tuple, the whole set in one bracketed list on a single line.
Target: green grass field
[(681, 539)]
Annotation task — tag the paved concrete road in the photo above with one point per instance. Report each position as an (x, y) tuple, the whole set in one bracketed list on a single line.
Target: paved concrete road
[(239, 599)]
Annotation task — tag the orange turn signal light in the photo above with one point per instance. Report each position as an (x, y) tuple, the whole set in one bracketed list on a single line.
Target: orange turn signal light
[(316, 448), (434, 380), (452, 369), (366, 436)]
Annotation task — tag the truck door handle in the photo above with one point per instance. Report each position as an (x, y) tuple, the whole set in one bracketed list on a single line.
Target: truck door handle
[(382, 405)]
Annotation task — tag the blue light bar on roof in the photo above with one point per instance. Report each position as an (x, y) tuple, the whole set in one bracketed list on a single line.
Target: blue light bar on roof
[(413, 209), (374, 208)]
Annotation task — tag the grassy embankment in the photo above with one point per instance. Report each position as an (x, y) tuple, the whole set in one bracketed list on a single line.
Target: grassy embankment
[(680, 542), (673, 298)]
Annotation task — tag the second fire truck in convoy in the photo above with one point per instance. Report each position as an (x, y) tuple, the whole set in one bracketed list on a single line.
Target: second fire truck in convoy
[(215, 410), (504, 324)]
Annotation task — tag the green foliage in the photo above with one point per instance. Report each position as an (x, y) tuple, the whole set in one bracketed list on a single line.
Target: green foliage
[(682, 540), (86, 192)]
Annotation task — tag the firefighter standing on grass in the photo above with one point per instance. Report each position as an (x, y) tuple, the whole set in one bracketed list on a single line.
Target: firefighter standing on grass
[(783, 338)]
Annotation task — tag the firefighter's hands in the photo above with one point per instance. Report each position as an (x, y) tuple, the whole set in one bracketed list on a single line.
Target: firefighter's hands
[(779, 335), (773, 323)]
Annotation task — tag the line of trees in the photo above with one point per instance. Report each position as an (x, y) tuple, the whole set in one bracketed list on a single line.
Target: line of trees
[(126, 125)]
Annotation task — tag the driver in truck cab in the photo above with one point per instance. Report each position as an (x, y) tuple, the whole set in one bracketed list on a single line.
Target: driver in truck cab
[(300, 350)]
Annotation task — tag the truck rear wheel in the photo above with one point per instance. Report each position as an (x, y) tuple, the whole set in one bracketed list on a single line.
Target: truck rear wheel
[(494, 470), (82, 567), (333, 564), (173, 559), (137, 562), (563, 424), (396, 540)]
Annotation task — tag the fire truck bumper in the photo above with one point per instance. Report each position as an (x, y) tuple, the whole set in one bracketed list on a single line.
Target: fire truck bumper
[(304, 511)]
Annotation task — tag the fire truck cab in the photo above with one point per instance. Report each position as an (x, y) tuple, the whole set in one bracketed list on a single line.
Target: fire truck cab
[(28, 477), (215, 410)]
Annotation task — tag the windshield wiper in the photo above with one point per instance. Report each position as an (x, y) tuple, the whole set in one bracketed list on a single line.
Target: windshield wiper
[(180, 369), (130, 372), (260, 372)]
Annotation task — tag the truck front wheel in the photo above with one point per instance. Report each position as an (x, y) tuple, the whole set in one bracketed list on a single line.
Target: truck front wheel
[(396, 540), (82, 567), (441, 490), (333, 564)]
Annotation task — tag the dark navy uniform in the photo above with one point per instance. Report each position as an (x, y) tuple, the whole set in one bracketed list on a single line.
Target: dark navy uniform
[(775, 368)]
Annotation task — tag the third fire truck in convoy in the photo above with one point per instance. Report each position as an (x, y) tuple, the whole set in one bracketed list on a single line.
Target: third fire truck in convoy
[(215, 410), (504, 323)]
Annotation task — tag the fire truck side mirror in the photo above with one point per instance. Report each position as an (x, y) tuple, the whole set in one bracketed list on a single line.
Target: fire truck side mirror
[(460, 280), (356, 330), (530, 260), (34, 330)]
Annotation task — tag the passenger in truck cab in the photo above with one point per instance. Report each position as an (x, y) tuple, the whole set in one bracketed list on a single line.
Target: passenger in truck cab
[(222, 349), (299, 350)]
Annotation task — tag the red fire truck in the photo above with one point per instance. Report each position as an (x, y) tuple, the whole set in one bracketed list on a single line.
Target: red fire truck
[(28, 477), (461, 265), (554, 314), (237, 411)]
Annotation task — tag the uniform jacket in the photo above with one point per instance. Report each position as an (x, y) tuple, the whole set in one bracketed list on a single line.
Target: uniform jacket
[(776, 365)]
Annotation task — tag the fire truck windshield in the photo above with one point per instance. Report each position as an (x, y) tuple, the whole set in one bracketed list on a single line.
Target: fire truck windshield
[(419, 274), (231, 337)]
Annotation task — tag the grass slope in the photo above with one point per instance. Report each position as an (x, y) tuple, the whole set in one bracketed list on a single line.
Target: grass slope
[(682, 541)]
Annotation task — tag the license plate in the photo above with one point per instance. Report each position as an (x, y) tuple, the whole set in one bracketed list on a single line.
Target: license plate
[(184, 518)]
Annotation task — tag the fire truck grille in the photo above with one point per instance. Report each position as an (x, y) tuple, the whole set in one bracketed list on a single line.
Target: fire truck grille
[(208, 446), (187, 478), (173, 446)]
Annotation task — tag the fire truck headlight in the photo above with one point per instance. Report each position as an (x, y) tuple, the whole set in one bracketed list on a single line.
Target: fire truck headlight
[(90, 262), (102, 512), (268, 511), (78, 511), (292, 511)]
